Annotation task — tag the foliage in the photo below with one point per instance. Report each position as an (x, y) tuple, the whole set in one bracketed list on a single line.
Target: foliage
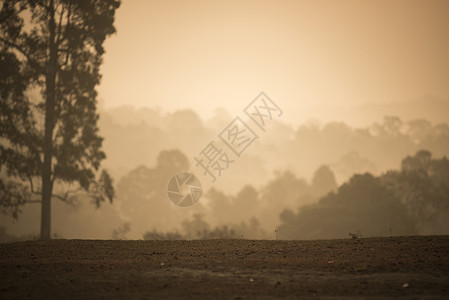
[(120, 233), (157, 236), (412, 200), (323, 181), (422, 185), (142, 193), (50, 57), (362, 204), (12, 196), (197, 228)]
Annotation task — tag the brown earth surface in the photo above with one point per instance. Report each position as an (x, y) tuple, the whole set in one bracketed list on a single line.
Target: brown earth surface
[(376, 268)]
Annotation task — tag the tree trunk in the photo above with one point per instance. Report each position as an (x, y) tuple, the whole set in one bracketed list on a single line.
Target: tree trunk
[(50, 80)]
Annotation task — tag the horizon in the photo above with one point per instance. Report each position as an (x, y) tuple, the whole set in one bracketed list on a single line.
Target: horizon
[(319, 60)]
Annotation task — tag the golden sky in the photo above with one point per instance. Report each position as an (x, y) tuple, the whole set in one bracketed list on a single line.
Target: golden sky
[(303, 54)]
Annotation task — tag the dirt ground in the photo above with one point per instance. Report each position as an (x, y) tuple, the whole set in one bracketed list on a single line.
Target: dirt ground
[(374, 268)]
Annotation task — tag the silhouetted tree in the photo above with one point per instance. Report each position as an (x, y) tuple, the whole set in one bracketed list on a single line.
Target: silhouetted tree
[(120, 233), (196, 227), (156, 235), (419, 130), (169, 162), (142, 193), (221, 205), (362, 204), (283, 191), (55, 48), (323, 181), (422, 184), (245, 203), (421, 162), (392, 126)]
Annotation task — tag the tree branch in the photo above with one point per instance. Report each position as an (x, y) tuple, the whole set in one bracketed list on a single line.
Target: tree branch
[(31, 183), (69, 13), (58, 38), (30, 145), (31, 61), (66, 195), (33, 201), (63, 198)]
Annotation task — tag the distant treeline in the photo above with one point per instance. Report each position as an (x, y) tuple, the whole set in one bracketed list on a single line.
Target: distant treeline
[(409, 201), (282, 183), (135, 137), (412, 200)]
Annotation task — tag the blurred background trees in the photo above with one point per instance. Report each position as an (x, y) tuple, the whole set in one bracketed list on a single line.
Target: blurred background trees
[(409, 201), (279, 187)]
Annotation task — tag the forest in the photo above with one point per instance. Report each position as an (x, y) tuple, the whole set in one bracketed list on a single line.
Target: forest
[(312, 181)]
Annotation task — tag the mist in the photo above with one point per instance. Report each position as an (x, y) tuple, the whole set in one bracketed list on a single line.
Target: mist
[(224, 149), (362, 88), (263, 195)]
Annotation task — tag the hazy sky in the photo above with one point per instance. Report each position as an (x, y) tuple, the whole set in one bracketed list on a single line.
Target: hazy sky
[(304, 54)]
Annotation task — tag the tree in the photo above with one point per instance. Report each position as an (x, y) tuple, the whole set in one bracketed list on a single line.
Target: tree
[(419, 130), (421, 162), (391, 126), (142, 194), (285, 190), (363, 203), (323, 181), (220, 205), (422, 184), (50, 55), (196, 227), (245, 203)]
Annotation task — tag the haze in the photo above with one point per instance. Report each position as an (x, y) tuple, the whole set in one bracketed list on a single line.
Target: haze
[(348, 60), (364, 87)]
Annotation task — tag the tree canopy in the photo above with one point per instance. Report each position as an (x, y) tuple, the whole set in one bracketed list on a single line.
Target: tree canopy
[(414, 199), (50, 57)]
